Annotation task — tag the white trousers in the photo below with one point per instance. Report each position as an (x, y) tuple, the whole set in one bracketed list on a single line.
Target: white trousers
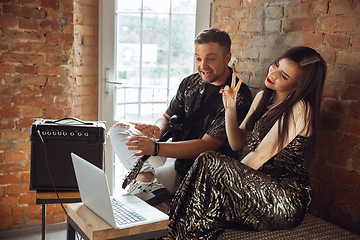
[(162, 168)]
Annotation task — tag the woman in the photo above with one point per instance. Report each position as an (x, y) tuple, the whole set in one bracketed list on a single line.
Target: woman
[(269, 187)]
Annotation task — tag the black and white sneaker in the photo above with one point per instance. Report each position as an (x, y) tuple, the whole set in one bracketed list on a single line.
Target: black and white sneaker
[(154, 193)]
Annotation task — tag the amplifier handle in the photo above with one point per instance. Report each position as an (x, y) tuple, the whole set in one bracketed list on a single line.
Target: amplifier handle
[(70, 118)]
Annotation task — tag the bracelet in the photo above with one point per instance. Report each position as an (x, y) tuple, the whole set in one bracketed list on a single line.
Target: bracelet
[(156, 149)]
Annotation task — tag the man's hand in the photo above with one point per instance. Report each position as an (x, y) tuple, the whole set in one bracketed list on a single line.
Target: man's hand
[(150, 131), (143, 144)]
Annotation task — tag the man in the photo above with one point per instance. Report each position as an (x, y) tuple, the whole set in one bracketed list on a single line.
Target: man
[(212, 55)]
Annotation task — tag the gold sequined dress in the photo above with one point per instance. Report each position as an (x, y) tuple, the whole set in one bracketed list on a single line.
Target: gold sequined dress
[(220, 192)]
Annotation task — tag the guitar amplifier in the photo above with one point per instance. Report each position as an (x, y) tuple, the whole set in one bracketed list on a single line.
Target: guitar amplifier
[(53, 141)]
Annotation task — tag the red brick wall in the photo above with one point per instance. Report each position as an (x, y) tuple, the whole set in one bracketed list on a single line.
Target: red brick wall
[(48, 69), (262, 29)]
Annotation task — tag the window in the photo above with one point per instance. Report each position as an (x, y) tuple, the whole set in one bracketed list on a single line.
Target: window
[(146, 49)]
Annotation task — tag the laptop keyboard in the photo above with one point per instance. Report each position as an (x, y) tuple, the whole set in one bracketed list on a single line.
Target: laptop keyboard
[(124, 215)]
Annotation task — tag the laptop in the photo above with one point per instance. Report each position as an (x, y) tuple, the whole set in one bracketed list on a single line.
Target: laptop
[(95, 194)]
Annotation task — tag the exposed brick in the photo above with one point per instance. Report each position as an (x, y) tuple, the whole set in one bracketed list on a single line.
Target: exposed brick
[(224, 14), (50, 70), (90, 60), (18, 189), (337, 41), (51, 49), (4, 45), (91, 41), (293, 39), (352, 77), (35, 220), (52, 26), (50, 208), (249, 25), (58, 81), (93, 21), (83, 29), (352, 127), (52, 4), (26, 69), (273, 26), (328, 55), (299, 24), (33, 101), (9, 179), (5, 212), (8, 21), (22, 146), (56, 60), (329, 90), (274, 11), (322, 172), (27, 198), (7, 113), (338, 24), (18, 211), (17, 135), (333, 107), (352, 144), (54, 113), (34, 209), (31, 112), (29, 12), (349, 58), (7, 68), (354, 110), (68, 6), (60, 38), (25, 176), (298, 10), (23, 58), (29, 36), (337, 157), (347, 178), (14, 157), (7, 124), (340, 7), (320, 8), (34, 80), (335, 75), (350, 92), (313, 40), (27, 2), (356, 41), (29, 24), (14, 167), (24, 123), (329, 122), (356, 163)]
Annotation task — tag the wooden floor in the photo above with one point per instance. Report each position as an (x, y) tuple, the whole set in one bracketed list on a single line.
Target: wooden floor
[(53, 232)]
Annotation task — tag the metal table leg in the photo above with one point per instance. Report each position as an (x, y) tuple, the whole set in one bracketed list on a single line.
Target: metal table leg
[(43, 222)]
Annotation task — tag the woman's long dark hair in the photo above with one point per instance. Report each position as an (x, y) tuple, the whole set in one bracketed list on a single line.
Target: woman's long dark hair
[(309, 87)]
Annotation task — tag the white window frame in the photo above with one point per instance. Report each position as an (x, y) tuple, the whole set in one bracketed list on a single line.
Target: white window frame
[(106, 97)]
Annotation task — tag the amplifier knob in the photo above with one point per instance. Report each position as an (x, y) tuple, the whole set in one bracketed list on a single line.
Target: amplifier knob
[(59, 133), (64, 133), (43, 132), (48, 132), (79, 134), (86, 134), (54, 133), (72, 133)]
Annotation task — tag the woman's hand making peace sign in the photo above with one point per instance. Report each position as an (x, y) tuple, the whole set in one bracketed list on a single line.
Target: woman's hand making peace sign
[(229, 93)]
